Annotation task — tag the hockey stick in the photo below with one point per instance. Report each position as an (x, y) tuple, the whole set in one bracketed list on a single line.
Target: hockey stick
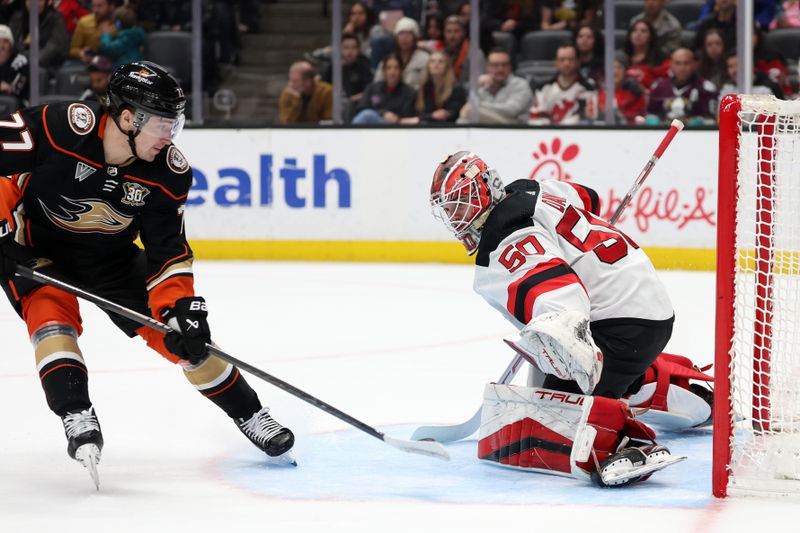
[(465, 429), (432, 449), (674, 128)]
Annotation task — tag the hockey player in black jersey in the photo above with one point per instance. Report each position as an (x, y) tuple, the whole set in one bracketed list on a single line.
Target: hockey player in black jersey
[(593, 319), (83, 182)]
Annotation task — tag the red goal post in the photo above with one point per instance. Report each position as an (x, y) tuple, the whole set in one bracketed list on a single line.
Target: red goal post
[(757, 359)]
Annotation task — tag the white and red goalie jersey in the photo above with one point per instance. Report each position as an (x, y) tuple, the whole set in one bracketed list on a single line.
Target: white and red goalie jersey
[(543, 249)]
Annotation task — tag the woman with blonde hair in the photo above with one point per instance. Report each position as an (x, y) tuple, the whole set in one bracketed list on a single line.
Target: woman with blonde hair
[(440, 96)]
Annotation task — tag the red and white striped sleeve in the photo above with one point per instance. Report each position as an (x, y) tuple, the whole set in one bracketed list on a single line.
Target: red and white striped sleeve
[(526, 277)]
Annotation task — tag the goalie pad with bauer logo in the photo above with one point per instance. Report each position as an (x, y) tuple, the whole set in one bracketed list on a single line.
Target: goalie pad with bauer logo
[(554, 432)]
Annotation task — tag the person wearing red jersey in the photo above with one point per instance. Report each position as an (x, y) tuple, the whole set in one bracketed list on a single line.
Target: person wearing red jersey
[(593, 319), (84, 181)]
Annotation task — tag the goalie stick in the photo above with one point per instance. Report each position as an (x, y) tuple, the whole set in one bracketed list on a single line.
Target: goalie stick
[(432, 449), (465, 429)]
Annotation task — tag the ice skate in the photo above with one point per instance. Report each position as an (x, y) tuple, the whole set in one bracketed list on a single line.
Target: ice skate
[(631, 465), (84, 440), (269, 436)]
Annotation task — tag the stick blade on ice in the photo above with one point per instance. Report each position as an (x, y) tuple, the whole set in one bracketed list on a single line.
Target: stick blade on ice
[(448, 433), (424, 447)]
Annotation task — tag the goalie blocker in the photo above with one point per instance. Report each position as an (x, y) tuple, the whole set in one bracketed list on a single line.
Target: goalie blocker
[(553, 432)]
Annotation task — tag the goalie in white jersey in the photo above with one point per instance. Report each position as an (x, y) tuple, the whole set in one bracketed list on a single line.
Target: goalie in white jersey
[(593, 317)]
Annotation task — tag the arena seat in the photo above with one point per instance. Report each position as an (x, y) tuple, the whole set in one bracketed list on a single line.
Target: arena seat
[(173, 51), (542, 45)]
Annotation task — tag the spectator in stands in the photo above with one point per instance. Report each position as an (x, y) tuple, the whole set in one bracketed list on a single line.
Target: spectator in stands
[(762, 84), (764, 12), (456, 45), (630, 101), (502, 97), (356, 74), (433, 38), (413, 59), (668, 29), (646, 61), (122, 40), (86, 37), (53, 35), (359, 22), (99, 75), (712, 61), (589, 44), (381, 35), (568, 98), (387, 101), (723, 18), (72, 11), (771, 63), (788, 16), (568, 14), (305, 99), (440, 97), (511, 16), (14, 70), (464, 12), (685, 95), (164, 15), (515, 17)]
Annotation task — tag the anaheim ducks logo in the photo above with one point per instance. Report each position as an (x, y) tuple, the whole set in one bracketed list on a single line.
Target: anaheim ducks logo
[(81, 118), (87, 216)]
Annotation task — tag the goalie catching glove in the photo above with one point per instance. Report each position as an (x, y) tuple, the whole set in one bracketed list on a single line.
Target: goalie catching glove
[(560, 343), (584, 437), (190, 332)]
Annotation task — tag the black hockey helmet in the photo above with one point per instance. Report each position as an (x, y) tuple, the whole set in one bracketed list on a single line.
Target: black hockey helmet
[(148, 87)]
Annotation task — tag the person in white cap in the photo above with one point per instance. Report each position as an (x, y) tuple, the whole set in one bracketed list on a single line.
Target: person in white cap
[(413, 60), (13, 68)]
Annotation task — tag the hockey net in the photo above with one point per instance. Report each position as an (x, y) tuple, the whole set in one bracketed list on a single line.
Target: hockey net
[(757, 366)]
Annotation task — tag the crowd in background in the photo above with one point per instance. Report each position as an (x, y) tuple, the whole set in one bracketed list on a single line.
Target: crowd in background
[(405, 64), (409, 61), (87, 39)]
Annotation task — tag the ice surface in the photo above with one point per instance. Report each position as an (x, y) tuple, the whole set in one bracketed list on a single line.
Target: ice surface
[(393, 345)]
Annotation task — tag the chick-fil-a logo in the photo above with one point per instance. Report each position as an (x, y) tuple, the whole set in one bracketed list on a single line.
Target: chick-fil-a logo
[(647, 206)]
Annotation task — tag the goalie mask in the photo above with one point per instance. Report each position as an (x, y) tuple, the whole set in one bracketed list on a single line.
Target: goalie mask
[(463, 193)]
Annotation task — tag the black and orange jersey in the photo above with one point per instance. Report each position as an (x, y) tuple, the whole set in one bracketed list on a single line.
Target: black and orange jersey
[(59, 192)]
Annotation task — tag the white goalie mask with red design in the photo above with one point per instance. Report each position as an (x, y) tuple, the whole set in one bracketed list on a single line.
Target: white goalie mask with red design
[(463, 193)]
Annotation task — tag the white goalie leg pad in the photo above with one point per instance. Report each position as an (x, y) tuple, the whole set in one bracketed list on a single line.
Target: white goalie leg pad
[(560, 343), (536, 429), (684, 409), (565, 434)]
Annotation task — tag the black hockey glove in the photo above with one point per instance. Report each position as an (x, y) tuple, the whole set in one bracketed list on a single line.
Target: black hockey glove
[(190, 332)]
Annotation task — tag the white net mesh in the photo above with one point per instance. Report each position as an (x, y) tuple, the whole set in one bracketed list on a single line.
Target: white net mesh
[(765, 363)]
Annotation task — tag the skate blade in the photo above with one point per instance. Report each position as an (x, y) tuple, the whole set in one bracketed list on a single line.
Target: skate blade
[(89, 456), (285, 459), (643, 470)]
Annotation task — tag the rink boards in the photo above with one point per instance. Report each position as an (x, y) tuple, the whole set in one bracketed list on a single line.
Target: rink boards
[(362, 194)]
